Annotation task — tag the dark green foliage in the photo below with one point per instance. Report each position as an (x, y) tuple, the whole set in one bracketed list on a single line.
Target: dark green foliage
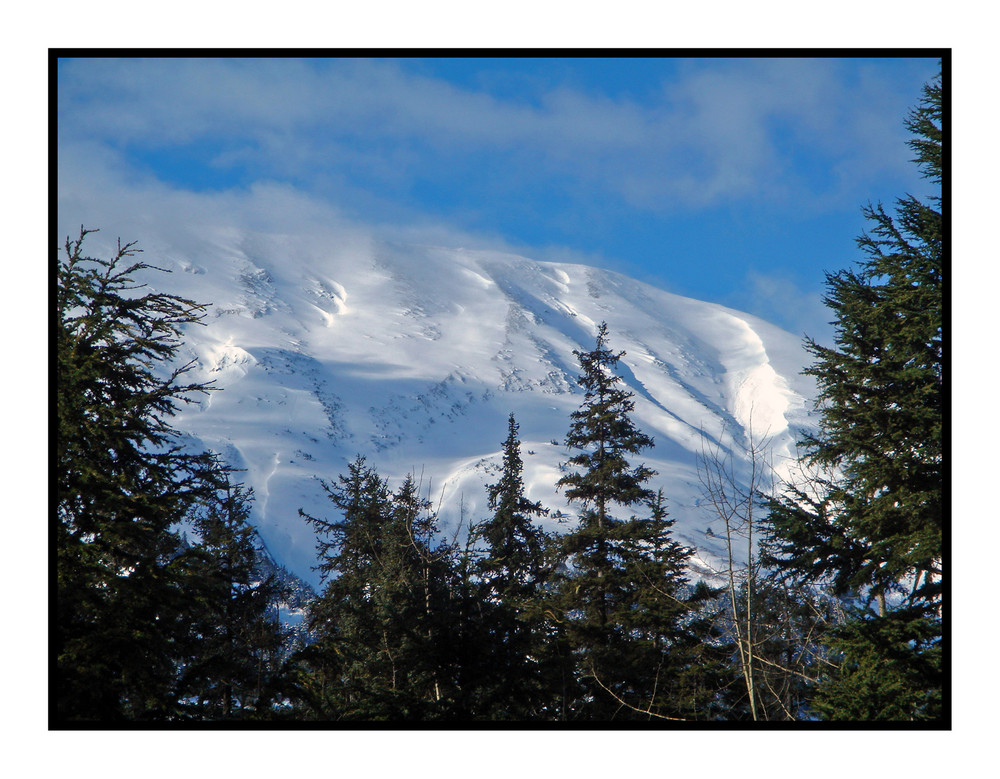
[(122, 483), (556, 687), (806, 537), (418, 596), (508, 576), (874, 527), (513, 563), (603, 432), (620, 599), (239, 638), (382, 622), (890, 669), (881, 390), (337, 667), (673, 661)]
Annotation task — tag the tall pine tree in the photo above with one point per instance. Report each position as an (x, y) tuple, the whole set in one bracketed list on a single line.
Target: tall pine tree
[(513, 563), (122, 483), (875, 530), (622, 598), (510, 573), (347, 660)]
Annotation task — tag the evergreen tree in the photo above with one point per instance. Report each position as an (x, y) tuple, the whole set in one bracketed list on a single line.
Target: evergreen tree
[(513, 564), (890, 669), (418, 601), (560, 686), (477, 690), (240, 639), (382, 620), (122, 483), (875, 530), (622, 598), (334, 672), (510, 572), (679, 662)]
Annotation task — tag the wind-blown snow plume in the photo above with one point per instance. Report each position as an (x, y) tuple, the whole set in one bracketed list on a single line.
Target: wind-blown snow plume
[(327, 344)]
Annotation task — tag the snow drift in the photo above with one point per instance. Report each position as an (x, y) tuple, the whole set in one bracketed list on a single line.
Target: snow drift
[(325, 347)]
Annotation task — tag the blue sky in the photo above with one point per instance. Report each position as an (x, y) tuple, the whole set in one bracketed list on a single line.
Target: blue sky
[(738, 181)]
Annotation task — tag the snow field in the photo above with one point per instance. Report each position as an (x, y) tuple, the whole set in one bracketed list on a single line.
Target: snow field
[(328, 345)]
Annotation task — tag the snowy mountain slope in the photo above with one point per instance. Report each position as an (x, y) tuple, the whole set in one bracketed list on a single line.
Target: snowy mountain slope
[(414, 355)]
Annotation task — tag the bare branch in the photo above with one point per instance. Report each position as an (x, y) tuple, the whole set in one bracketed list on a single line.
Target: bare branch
[(646, 711)]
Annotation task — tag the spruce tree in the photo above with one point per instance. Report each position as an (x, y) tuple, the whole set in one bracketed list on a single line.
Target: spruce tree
[(678, 660), (419, 582), (622, 597), (382, 622), (875, 528), (335, 671), (122, 483), (889, 668), (510, 573), (239, 638), (513, 563)]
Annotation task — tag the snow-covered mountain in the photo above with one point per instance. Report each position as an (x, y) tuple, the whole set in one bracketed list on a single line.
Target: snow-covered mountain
[(414, 355)]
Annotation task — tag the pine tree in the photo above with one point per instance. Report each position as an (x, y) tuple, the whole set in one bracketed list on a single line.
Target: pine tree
[(240, 640), (513, 563), (889, 669), (334, 672), (622, 599), (123, 482), (875, 529), (382, 620), (509, 575), (419, 581), (679, 660)]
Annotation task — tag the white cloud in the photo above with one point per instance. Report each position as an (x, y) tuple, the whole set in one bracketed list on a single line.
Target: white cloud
[(720, 131), (97, 191)]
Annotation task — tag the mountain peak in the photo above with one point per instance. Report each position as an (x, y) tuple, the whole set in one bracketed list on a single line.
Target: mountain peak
[(415, 355)]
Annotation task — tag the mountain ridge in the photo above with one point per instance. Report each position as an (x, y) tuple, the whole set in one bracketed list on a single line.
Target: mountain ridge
[(413, 355)]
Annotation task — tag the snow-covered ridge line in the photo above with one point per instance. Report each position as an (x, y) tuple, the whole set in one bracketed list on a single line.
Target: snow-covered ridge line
[(414, 356)]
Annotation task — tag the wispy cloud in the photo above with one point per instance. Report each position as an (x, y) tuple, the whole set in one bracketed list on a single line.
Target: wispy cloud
[(719, 132), (141, 207), (687, 175), (163, 217)]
